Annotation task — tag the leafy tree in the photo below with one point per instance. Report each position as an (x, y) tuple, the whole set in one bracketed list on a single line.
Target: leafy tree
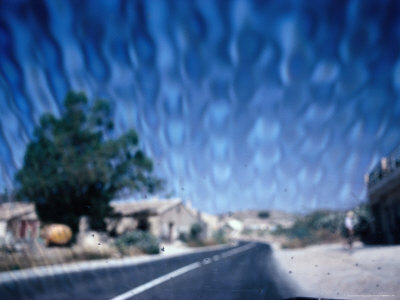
[(74, 166)]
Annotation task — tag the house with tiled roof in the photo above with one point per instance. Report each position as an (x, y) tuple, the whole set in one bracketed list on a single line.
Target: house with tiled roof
[(164, 218)]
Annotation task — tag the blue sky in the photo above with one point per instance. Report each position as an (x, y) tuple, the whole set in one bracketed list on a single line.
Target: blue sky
[(241, 104)]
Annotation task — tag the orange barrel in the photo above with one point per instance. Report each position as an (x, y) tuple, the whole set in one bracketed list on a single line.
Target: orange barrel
[(58, 234)]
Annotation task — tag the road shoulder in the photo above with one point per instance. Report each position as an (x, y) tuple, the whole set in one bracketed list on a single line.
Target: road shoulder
[(333, 271), (52, 270)]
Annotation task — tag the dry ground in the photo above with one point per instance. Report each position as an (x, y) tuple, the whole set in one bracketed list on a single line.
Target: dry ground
[(332, 270), (36, 255)]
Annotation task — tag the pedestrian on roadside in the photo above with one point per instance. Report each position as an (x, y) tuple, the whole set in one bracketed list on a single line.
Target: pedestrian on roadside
[(349, 224)]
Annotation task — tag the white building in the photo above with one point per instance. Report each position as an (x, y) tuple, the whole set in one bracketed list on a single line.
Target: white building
[(165, 219)]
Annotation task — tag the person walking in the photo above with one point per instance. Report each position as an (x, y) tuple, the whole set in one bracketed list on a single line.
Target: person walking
[(349, 224)]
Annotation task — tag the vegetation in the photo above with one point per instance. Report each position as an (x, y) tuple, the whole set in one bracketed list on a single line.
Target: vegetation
[(263, 214), (75, 164), (247, 231), (26, 258), (194, 235), (195, 238), (317, 227), (140, 239), (195, 231), (220, 237), (326, 226)]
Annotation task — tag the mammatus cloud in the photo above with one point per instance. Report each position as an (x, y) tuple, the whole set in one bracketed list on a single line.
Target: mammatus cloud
[(275, 104)]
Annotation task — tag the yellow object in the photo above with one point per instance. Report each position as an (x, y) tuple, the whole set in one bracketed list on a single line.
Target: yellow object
[(58, 234)]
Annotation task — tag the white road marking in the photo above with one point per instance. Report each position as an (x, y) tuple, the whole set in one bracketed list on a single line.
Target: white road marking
[(216, 257), (180, 271), (206, 261), (157, 281), (237, 250)]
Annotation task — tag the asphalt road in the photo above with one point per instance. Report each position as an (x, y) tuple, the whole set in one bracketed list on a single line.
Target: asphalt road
[(242, 272)]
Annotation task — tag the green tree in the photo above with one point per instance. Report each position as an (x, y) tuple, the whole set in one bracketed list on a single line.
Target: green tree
[(75, 165)]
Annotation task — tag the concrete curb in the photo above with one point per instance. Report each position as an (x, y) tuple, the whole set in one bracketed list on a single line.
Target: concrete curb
[(53, 270)]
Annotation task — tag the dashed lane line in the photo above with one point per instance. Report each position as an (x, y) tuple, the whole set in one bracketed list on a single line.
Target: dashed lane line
[(148, 285)]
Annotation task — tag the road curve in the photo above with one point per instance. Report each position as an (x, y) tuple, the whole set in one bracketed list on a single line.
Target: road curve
[(245, 271)]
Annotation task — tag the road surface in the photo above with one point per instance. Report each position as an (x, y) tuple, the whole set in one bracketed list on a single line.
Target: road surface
[(245, 271)]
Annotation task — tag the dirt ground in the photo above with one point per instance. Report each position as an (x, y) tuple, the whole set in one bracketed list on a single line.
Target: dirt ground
[(37, 255), (51, 256), (334, 271)]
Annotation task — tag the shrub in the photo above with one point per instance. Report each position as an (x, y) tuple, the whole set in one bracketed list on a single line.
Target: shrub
[(195, 231), (183, 236), (263, 214), (316, 227), (142, 240), (326, 226), (261, 233), (247, 231), (219, 236)]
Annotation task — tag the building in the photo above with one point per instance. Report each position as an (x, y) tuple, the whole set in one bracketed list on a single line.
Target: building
[(383, 185), (20, 220), (165, 219), (211, 224)]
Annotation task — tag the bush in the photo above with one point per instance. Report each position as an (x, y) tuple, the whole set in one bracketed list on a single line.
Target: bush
[(195, 231), (316, 227), (247, 231), (315, 237), (327, 226), (140, 239), (194, 238), (219, 236), (263, 214), (184, 237)]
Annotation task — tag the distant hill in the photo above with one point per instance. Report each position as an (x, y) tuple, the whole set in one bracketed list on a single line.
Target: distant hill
[(263, 218)]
